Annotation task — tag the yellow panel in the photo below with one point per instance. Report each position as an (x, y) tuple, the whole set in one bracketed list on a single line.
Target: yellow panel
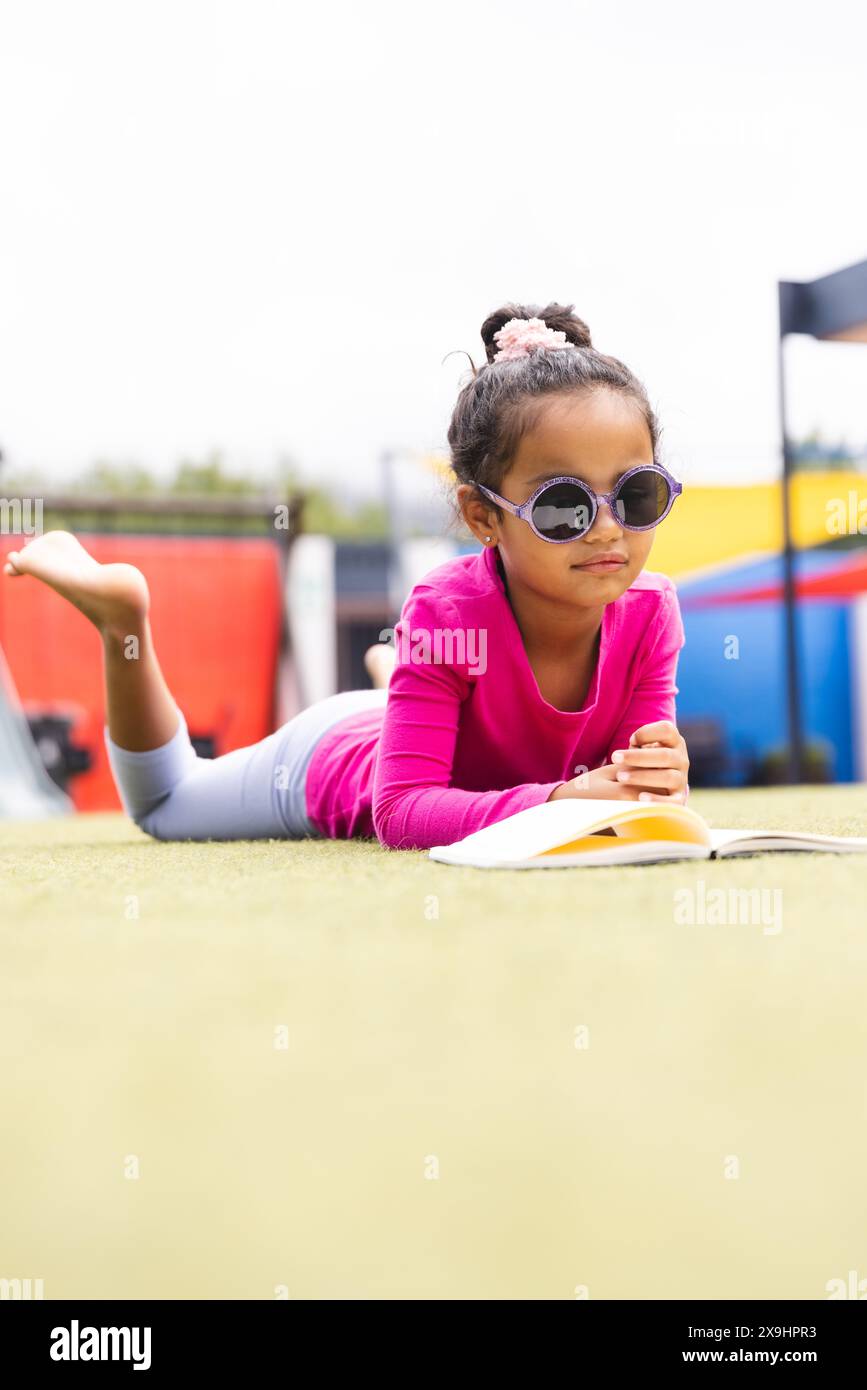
[(710, 526)]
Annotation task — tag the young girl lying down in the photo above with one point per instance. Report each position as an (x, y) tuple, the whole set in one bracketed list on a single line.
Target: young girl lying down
[(541, 667)]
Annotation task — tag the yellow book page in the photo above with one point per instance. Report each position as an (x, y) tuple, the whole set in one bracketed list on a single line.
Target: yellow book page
[(669, 827), (597, 841)]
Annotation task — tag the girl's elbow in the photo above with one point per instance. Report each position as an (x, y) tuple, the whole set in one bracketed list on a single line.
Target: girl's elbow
[(390, 825), (385, 824)]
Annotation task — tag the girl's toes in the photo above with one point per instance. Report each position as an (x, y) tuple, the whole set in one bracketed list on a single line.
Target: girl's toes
[(379, 663)]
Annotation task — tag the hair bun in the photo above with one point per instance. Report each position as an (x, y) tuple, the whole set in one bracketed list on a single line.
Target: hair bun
[(560, 317)]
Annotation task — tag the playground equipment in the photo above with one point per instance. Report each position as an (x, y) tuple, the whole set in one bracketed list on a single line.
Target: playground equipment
[(26, 790)]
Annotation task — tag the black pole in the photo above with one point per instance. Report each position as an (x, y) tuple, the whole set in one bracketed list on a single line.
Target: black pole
[(790, 602)]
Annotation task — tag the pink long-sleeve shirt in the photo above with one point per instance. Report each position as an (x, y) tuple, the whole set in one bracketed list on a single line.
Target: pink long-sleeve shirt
[(466, 737)]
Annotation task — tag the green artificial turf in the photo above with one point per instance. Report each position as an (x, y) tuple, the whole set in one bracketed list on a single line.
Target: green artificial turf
[(426, 1125)]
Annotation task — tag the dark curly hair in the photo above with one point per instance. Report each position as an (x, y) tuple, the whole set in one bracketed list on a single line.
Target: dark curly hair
[(503, 400)]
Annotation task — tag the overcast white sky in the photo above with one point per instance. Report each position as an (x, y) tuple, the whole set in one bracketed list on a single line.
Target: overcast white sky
[(259, 226)]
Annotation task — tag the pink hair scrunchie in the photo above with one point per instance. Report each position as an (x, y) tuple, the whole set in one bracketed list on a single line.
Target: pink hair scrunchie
[(518, 337)]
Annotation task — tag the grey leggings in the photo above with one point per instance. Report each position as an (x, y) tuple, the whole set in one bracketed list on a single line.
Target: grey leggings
[(252, 793)]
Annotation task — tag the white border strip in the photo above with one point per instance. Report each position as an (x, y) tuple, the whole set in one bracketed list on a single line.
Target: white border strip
[(858, 668)]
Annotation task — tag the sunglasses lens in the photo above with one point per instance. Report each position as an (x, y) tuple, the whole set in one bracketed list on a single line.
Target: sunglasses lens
[(562, 512), (642, 499)]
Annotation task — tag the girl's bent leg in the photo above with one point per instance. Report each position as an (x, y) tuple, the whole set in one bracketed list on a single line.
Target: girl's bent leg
[(141, 712), (249, 794), (173, 794)]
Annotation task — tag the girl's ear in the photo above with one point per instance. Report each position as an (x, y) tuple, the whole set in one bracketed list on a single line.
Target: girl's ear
[(478, 514)]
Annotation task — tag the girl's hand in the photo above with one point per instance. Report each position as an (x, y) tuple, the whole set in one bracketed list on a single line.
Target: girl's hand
[(599, 785), (656, 763)]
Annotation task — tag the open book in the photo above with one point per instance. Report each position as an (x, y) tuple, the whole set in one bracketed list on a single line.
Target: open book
[(561, 834)]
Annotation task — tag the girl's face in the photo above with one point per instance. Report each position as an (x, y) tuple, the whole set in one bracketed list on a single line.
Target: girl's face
[(597, 438)]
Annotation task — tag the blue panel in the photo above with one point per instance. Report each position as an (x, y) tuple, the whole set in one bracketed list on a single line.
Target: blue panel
[(748, 694)]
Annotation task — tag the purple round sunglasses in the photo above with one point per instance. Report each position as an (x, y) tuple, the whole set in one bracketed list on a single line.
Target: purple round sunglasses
[(642, 499)]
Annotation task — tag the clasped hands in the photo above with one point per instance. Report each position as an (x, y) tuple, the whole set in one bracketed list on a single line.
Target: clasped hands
[(654, 767)]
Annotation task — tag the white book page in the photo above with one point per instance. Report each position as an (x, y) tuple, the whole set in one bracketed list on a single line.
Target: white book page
[(755, 841)]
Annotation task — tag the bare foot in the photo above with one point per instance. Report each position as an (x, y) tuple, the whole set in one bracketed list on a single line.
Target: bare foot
[(114, 597), (379, 662)]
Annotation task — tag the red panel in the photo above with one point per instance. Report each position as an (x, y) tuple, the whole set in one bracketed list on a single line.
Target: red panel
[(845, 582), (216, 606)]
